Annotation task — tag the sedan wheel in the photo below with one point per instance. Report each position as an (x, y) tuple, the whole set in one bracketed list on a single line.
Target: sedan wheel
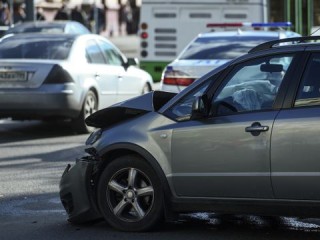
[(146, 88), (129, 194), (90, 106)]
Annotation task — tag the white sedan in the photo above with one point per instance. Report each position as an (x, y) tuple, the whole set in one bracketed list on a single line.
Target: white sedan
[(65, 76)]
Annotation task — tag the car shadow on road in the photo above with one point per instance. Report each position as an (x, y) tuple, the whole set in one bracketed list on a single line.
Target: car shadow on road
[(245, 226), (44, 215), (11, 131)]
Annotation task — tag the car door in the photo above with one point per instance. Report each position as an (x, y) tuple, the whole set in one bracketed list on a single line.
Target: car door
[(105, 76), (228, 153), (128, 82), (295, 144)]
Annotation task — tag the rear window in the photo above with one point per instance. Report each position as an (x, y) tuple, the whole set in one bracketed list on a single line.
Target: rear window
[(222, 47), (36, 48), (45, 29)]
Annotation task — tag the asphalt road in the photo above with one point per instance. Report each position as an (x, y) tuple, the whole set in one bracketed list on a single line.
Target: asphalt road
[(33, 156)]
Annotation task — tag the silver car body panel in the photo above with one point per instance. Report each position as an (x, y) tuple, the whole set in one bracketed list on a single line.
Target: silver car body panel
[(36, 71), (150, 131), (209, 162), (213, 161), (18, 98), (295, 164)]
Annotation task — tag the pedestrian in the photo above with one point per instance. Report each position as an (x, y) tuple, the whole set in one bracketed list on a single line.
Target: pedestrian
[(4, 14), (112, 18), (122, 18), (135, 16), (132, 14), (62, 13), (98, 17), (19, 14), (39, 14), (77, 14)]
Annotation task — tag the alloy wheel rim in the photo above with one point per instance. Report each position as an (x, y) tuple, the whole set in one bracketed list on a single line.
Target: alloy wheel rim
[(90, 106), (130, 195)]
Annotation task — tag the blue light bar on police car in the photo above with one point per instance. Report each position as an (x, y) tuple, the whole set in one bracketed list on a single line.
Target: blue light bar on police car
[(274, 24), (249, 24)]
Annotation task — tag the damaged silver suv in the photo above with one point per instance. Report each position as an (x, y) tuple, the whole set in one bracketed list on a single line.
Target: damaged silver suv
[(244, 138)]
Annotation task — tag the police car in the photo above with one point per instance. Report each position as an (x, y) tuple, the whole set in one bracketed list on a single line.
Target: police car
[(210, 50)]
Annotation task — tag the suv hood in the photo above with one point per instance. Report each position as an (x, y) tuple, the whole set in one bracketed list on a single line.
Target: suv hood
[(150, 102)]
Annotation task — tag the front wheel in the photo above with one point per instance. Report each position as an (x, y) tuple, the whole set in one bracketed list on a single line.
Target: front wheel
[(130, 196)]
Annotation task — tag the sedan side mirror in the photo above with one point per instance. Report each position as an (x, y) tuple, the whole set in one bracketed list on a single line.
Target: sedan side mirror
[(131, 62), (199, 109)]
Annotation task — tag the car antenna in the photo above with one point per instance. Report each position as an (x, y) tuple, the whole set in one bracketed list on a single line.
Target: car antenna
[(302, 41)]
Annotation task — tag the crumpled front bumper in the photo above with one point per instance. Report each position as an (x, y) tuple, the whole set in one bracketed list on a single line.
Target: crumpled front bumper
[(76, 193)]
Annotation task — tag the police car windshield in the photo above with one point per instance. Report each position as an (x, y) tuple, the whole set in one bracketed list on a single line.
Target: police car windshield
[(222, 47)]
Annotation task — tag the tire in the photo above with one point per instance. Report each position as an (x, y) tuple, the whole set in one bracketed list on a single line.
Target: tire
[(130, 196), (146, 88), (90, 105)]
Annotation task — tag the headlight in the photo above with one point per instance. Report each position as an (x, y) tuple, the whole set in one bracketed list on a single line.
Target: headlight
[(94, 137)]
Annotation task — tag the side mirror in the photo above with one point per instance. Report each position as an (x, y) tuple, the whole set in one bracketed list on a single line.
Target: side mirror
[(133, 62), (199, 109)]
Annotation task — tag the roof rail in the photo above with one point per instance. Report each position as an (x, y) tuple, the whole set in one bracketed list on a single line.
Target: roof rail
[(270, 44)]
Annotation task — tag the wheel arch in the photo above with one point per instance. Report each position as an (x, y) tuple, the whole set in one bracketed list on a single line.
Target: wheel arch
[(121, 149), (149, 85), (95, 91)]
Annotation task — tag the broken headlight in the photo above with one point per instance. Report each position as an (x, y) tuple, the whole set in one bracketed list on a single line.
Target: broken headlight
[(94, 136)]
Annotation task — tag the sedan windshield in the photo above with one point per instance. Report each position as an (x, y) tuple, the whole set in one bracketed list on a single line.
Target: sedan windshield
[(36, 48), (222, 47)]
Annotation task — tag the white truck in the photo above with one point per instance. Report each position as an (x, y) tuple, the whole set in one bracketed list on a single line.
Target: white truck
[(167, 26)]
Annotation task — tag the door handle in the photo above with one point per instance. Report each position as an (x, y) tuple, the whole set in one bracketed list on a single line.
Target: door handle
[(256, 128), (97, 76)]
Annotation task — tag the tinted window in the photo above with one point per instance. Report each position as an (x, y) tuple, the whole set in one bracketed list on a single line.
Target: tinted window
[(251, 86), (111, 54), (28, 29), (70, 27), (222, 47), (309, 90), (94, 53), (39, 48), (182, 109)]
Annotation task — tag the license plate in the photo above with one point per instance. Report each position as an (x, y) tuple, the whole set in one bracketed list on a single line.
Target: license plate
[(13, 76)]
